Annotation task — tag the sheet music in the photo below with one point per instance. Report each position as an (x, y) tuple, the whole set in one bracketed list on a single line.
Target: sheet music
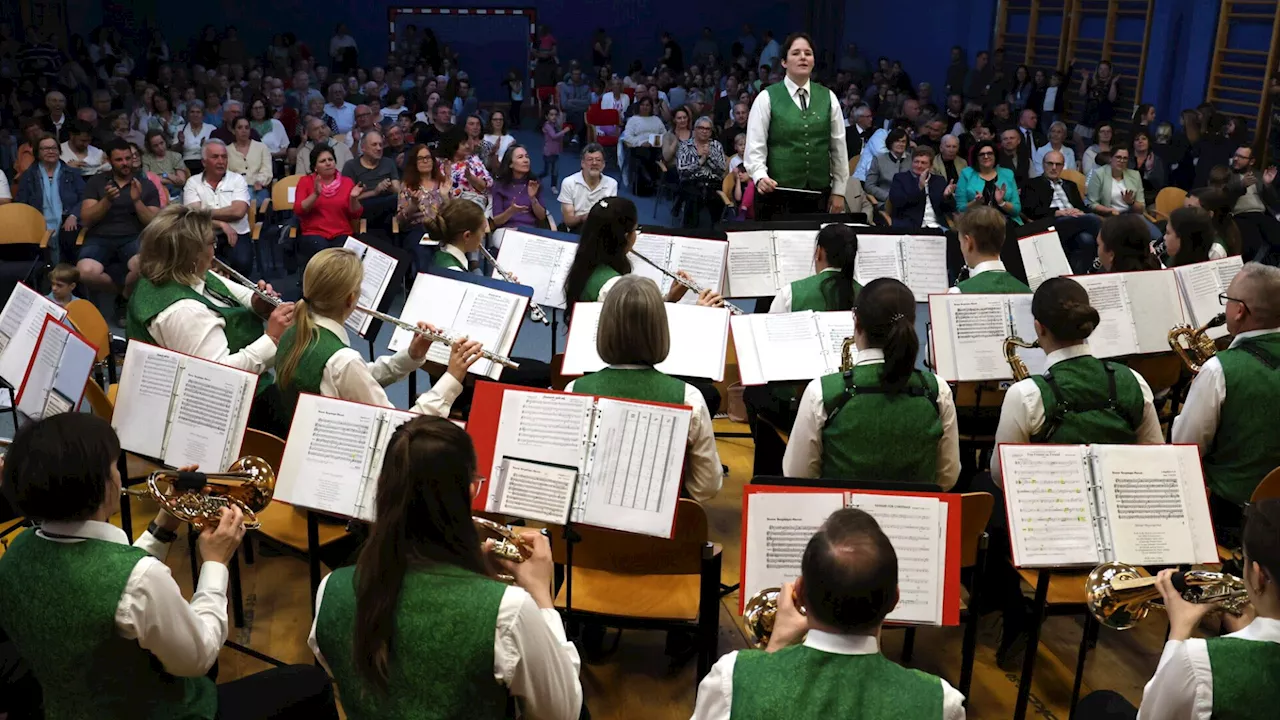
[(535, 491), (1024, 326), (1155, 306), (916, 526), (925, 260), (1201, 283), (634, 468), (461, 309), (658, 249), (1043, 257), (327, 455), (779, 526), (879, 256), (378, 270), (750, 265), (699, 337), (833, 328), (541, 263), (20, 324), (145, 398), (208, 421), (977, 329), (1156, 505), (789, 346), (1115, 334), (704, 260), (1046, 491), (794, 250), (58, 374), (548, 428)]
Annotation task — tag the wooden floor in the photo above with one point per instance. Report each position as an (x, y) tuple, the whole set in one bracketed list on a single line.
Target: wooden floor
[(638, 680)]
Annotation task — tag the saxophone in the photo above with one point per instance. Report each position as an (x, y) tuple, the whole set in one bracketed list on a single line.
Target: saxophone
[(846, 354), (1011, 345), (1195, 347)]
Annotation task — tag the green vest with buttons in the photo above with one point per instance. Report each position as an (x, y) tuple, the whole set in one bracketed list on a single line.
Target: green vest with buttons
[(58, 605), (1244, 678), (644, 384), (309, 371), (1087, 400), (993, 282), (446, 260), (596, 281), (1246, 447), (801, 683), (816, 292), (870, 435), (799, 141)]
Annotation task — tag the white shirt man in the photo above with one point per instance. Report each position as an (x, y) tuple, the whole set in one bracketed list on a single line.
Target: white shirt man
[(343, 113), (616, 100), (230, 189), (582, 190)]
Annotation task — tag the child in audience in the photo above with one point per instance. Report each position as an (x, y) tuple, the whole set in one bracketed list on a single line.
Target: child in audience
[(553, 133), (63, 278)]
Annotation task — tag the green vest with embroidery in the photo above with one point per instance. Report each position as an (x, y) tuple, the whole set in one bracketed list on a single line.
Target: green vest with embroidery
[(1244, 678), (870, 435), (644, 384), (801, 683), (1087, 400), (799, 142), (596, 281), (807, 294), (441, 659), (993, 282), (446, 260), (310, 369), (58, 604), (1246, 447), (243, 326)]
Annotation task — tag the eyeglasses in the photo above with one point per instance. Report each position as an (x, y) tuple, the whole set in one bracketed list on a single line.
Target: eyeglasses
[(1223, 299), (987, 153), (1238, 156), (1120, 158)]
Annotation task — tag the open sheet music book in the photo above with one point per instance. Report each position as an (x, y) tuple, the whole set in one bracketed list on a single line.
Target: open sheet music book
[(20, 324), (1043, 257), (182, 410), (699, 338), (59, 369), (778, 521), (803, 345), (968, 335), (334, 453), (1137, 311), (762, 262), (918, 261), (1090, 504), (1200, 284), (555, 457), (379, 268), (539, 261), (487, 311), (702, 258)]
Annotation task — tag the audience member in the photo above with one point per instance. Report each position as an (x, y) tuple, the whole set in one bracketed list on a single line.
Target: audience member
[(342, 112), (702, 167), (193, 136), (575, 98), (326, 204), (553, 132), (165, 163), (366, 121), (1049, 197), (378, 178), (921, 199), (56, 121), (1013, 156), (116, 207), (226, 195), (497, 134), (1057, 143), (423, 189), (250, 159), (1103, 136), (1119, 191), (1099, 91), (948, 163), (57, 192), (737, 124), (986, 183), (582, 190), (78, 154), (643, 137), (887, 164), (31, 131), (517, 194), (1255, 205), (318, 136), (469, 179), (140, 172)]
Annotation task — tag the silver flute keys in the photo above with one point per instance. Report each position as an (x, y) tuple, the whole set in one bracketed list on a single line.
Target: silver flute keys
[(437, 337), (235, 275), (695, 287), (535, 311)]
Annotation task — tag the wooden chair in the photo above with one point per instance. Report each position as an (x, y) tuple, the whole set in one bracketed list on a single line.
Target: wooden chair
[(1161, 371), (1058, 592), (1076, 177), (630, 581), (1170, 199), (24, 225), (87, 321), (279, 202), (975, 511), (1268, 489)]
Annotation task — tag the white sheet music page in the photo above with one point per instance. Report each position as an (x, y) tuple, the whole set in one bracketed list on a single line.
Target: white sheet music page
[(327, 455), (779, 526), (536, 491), (749, 267), (20, 324), (925, 259), (541, 263), (34, 392), (979, 324), (879, 256), (917, 528), (703, 259), (699, 339), (834, 327), (1043, 257), (378, 269), (145, 398), (658, 249), (1046, 490), (460, 308), (1156, 504), (1115, 334), (580, 354), (794, 250), (1155, 306), (549, 428), (789, 346), (1201, 283), (209, 420), (634, 468), (744, 343)]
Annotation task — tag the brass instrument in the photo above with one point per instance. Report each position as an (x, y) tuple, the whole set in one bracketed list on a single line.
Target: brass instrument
[(437, 337), (759, 613), (691, 285), (1195, 347), (198, 498), (507, 545), (1119, 598), (535, 310), (847, 350), (232, 274), (1019, 368)]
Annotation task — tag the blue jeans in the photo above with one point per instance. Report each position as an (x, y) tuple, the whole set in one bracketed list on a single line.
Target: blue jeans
[(239, 257), (1079, 237), (309, 245), (258, 196)]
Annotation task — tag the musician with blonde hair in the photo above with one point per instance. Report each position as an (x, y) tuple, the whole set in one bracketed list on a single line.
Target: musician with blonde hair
[(633, 337), (323, 362), (981, 230)]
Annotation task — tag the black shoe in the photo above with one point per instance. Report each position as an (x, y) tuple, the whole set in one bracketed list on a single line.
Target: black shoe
[(122, 311)]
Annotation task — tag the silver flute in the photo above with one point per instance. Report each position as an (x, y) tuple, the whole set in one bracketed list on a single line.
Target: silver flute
[(535, 311), (234, 274), (690, 284), (437, 337)]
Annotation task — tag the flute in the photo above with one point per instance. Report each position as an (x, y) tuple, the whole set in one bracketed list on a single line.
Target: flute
[(437, 337), (535, 311), (690, 284), (233, 274)]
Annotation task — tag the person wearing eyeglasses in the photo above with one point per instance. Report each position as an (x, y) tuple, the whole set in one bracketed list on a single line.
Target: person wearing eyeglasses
[(57, 191), (1227, 404), (1256, 198), (1118, 190), (1052, 200), (702, 165)]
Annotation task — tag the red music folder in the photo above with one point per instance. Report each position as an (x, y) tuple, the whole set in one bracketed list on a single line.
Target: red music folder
[(56, 375), (923, 526)]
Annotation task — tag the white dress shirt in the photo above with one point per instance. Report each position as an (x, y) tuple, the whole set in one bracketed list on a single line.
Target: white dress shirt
[(1037, 158), (574, 192), (1182, 686), (1217, 251), (5, 194), (232, 188), (185, 637), (803, 458), (188, 326), (715, 692), (95, 161), (1022, 414), (705, 473), (757, 156), (976, 270), (532, 658), (782, 301), (348, 376), (1198, 421)]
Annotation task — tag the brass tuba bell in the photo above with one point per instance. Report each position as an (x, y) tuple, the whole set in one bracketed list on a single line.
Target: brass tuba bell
[(1195, 347), (1120, 598), (198, 498), (759, 613), (1011, 345)]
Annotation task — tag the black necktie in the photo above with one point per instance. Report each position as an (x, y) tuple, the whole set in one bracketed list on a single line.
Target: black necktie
[(804, 100), (1030, 141)]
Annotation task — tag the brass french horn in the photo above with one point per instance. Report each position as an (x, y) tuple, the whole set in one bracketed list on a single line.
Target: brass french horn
[(759, 613), (1119, 597), (507, 545), (198, 498), (1194, 346), (1011, 345)]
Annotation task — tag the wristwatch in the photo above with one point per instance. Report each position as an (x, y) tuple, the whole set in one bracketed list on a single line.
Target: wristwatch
[(163, 535)]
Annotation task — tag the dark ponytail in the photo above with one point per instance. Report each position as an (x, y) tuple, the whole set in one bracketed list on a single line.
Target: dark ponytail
[(605, 236), (1195, 231), (886, 314), (840, 244), (1062, 306), (1128, 238)]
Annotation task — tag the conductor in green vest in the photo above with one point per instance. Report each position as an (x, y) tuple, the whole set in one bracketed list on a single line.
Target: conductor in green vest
[(1230, 407), (102, 623), (1232, 676), (796, 141), (823, 659)]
